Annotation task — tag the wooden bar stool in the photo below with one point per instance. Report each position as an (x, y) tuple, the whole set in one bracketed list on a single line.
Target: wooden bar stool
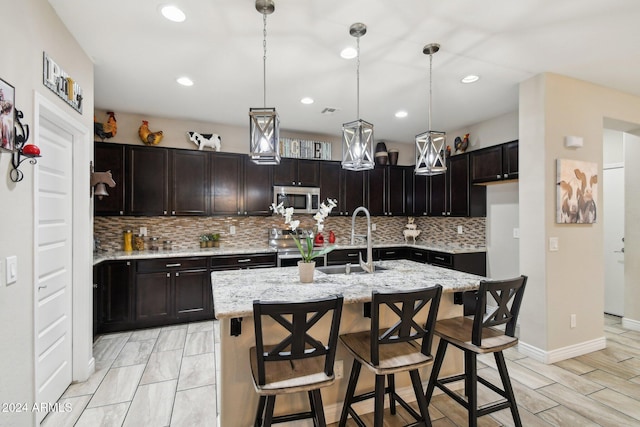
[(300, 362), (478, 335), (405, 346)]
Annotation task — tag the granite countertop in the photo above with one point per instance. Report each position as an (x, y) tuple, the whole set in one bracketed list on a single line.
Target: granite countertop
[(102, 256), (235, 291)]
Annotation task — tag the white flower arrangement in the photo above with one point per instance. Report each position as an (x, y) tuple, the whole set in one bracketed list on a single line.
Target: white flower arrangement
[(307, 251)]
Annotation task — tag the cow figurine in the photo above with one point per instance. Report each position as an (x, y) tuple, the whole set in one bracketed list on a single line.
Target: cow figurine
[(205, 140)]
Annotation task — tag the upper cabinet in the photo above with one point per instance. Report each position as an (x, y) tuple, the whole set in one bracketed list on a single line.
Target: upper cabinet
[(147, 181), (189, 176), (497, 163), (226, 184), (450, 193), (329, 183), (110, 157), (390, 190), (297, 172), (258, 188)]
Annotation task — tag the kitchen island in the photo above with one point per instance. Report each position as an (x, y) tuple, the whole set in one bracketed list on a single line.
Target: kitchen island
[(235, 291)]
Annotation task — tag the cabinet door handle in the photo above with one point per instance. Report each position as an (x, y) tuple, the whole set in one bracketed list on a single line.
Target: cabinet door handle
[(439, 258), (497, 176), (244, 260), (391, 253), (128, 262), (121, 212), (356, 254), (173, 265), (95, 286), (299, 183), (293, 183)]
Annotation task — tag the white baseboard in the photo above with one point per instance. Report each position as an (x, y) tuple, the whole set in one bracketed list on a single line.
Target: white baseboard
[(627, 323), (563, 353)]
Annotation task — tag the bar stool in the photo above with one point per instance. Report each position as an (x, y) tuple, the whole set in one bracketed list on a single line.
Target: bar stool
[(299, 362), (388, 351), (478, 335)]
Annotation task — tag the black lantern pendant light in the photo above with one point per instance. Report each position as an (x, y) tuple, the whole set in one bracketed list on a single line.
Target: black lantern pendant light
[(430, 145), (264, 123), (357, 136)]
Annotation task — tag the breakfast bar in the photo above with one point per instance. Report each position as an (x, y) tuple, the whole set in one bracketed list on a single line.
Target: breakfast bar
[(235, 291)]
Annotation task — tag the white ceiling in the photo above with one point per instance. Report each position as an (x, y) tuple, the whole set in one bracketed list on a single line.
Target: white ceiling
[(138, 55)]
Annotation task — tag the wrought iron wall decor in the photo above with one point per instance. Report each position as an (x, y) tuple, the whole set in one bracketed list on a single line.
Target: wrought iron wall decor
[(60, 83), (23, 150)]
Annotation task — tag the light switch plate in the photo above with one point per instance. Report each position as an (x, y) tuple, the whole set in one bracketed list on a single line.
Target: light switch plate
[(554, 245), (143, 231), (232, 230), (12, 269), (516, 233), (373, 227), (459, 229)]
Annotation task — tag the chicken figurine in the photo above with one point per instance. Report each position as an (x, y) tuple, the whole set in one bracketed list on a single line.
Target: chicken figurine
[(148, 137), (461, 144), (108, 129)]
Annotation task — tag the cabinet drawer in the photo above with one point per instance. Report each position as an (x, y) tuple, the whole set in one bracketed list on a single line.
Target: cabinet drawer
[(343, 256), (417, 255), (440, 259), (166, 264), (392, 253), (243, 261)]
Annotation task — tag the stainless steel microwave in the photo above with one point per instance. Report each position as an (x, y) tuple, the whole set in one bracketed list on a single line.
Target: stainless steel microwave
[(302, 199)]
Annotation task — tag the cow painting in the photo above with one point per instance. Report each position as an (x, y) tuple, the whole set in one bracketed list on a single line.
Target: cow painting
[(577, 192)]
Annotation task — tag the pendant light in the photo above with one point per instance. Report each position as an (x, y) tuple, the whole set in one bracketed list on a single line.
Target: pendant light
[(264, 124), (357, 136), (430, 145)]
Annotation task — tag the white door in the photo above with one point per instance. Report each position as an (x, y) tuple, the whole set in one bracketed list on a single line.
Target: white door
[(613, 213), (53, 263)]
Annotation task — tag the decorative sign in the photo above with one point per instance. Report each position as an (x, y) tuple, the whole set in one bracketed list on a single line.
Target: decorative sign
[(61, 83), (303, 149)]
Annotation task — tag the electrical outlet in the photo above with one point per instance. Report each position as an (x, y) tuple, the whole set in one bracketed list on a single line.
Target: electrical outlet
[(232, 230), (12, 269), (338, 369), (143, 231), (373, 227), (516, 233), (573, 321), (459, 229)]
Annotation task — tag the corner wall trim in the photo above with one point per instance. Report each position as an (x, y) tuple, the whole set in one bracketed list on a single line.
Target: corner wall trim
[(563, 353), (627, 323)]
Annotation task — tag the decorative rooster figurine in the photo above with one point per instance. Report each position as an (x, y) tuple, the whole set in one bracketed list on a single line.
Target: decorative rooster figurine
[(106, 130), (462, 145), (148, 137)]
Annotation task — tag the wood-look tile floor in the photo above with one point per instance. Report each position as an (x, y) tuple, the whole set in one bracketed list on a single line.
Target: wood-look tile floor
[(166, 377)]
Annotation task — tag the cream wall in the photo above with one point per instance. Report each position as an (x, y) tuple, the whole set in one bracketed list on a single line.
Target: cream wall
[(29, 28), (569, 281), (235, 139), (631, 233)]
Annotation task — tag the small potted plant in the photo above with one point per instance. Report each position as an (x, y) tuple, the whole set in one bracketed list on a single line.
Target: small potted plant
[(214, 238), (204, 239)]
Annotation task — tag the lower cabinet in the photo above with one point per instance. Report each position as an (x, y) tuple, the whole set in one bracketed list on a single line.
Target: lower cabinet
[(344, 256), (113, 289)]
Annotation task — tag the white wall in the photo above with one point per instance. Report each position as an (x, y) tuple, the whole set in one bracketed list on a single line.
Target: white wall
[(631, 233), (30, 27)]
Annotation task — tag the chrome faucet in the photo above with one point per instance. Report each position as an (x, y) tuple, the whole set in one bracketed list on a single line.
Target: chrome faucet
[(366, 266)]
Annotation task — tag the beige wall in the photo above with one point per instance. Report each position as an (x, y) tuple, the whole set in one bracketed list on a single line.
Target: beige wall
[(569, 281), (235, 139), (631, 232), (29, 28)]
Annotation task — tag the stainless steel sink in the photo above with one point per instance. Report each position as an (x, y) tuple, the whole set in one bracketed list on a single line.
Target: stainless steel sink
[(342, 269)]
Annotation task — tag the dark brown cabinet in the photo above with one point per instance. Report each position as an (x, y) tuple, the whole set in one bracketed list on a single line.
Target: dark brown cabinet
[(389, 190), (172, 289), (421, 195), (297, 172), (225, 184), (147, 181), (497, 163), (330, 183), (258, 188), (451, 193), (343, 256), (189, 179), (110, 157), (237, 262), (391, 253), (114, 290), (353, 191)]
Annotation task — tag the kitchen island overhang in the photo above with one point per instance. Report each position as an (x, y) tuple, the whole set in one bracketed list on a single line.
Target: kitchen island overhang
[(235, 291)]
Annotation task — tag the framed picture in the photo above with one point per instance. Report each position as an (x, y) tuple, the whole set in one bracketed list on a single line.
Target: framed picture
[(577, 192), (7, 115)]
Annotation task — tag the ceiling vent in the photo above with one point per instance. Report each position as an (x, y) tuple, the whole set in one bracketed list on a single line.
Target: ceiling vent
[(329, 110)]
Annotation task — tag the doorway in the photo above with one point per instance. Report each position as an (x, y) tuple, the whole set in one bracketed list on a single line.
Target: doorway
[(613, 213)]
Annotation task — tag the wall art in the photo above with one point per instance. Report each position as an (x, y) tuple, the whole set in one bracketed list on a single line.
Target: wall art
[(7, 116), (61, 83), (577, 192)]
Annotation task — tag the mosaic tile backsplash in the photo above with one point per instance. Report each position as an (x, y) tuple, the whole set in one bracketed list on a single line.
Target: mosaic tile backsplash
[(184, 232)]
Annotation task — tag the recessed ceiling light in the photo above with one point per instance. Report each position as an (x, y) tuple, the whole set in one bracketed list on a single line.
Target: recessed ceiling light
[(173, 13), (185, 81), (306, 100), (349, 53), (471, 78), (401, 114)]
